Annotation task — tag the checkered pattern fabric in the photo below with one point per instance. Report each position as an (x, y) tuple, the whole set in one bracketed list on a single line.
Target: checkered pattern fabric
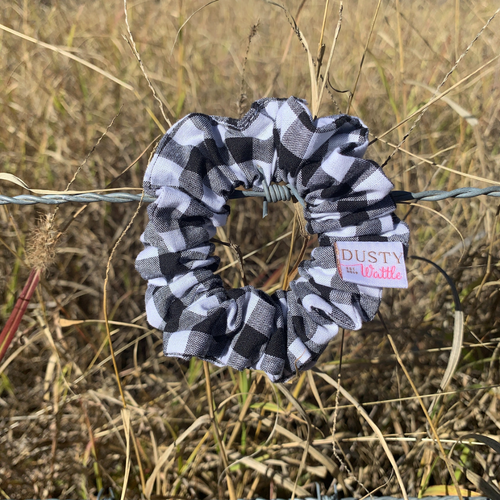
[(198, 164)]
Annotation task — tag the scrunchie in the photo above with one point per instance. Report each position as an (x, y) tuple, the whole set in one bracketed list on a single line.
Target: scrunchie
[(198, 164)]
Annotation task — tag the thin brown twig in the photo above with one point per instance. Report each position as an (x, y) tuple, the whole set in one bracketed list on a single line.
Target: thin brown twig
[(303, 41), (335, 416), (68, 55), (79, 169), (445, 79), (141, 64), (243, 96), (187, 20), (439, 165), (141, 154), (435, 99), (286, 275), (330, 58), (351, 95), (424, 409), (220, 443), (372, 424), (321, 45), (105, 301), (236, 249), (285, 52)]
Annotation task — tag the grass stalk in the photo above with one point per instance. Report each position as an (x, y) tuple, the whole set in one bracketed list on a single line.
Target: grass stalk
[(220, 443), (353, 92), (427, 416)]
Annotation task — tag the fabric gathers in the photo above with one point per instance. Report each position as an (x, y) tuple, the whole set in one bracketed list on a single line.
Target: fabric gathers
[(198, 164)]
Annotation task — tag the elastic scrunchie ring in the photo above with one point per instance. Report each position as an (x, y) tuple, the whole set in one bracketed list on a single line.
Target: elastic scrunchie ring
[(198, 164)]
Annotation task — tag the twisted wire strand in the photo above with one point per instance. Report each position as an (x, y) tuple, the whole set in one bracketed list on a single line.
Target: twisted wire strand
[(271, 193), (58, 199), (435, 195)]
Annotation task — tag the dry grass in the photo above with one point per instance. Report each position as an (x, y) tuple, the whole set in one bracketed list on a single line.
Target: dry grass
[(63, 433)]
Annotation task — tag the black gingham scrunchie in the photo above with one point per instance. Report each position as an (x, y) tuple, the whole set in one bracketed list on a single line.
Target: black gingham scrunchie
[(198, 164)]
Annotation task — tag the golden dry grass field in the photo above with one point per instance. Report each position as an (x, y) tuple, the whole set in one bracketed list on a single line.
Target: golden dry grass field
[(73, 99)]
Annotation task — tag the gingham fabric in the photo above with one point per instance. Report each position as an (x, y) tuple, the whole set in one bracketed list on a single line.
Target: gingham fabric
[(198, 164)]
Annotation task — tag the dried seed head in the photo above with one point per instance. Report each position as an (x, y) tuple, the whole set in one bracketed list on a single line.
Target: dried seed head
[(40, 250)]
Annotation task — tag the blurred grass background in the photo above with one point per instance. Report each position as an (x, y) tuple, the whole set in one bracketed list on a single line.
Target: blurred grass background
[(61, 432)]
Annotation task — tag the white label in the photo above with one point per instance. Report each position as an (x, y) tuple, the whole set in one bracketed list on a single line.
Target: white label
[(372, 263)]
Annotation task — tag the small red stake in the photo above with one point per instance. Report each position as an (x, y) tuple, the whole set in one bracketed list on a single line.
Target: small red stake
[(17, 313)]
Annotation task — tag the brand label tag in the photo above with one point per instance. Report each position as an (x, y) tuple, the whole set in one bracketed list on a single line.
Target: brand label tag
[(372, 263)]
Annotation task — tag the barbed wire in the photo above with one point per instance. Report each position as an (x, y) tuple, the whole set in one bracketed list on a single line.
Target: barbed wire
[(59, 199), (435, 195), (275, 193)]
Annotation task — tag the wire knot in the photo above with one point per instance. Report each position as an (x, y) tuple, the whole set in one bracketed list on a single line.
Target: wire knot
[(277, 192)]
